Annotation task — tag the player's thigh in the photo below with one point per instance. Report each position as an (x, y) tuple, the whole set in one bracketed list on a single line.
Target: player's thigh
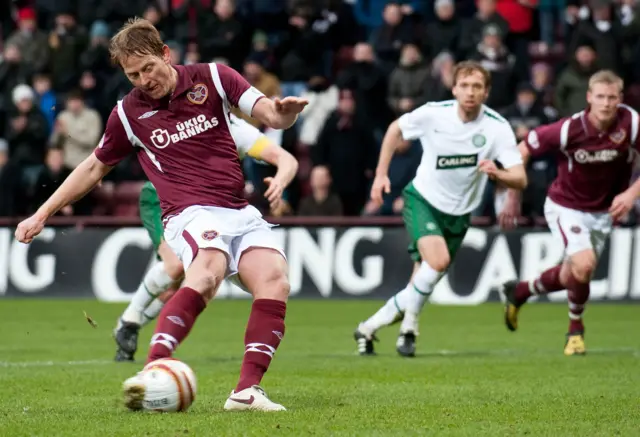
[(582, 245), (421, 224), (172, 264), (434, 251), (262, 264), (204, 252)]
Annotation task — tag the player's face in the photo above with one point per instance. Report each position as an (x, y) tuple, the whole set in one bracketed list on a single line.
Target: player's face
[(470, 91), (603, 99), (151, 74)]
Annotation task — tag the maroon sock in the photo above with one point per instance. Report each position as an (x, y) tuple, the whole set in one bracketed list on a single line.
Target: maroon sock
[(578, 296), (174, 322), (262, 337), (547, 282)]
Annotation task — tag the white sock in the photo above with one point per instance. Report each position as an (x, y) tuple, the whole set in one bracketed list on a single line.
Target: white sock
[(386, 315), (424, 281), (152, 311), (155, 282)]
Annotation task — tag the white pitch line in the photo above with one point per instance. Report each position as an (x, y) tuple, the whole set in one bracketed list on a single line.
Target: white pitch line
[(443, 352), (54, 363)]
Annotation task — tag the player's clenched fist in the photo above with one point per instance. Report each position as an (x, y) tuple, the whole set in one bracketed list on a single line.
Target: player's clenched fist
[(28, 229), (488, 167), (290, 105), (381, 185)]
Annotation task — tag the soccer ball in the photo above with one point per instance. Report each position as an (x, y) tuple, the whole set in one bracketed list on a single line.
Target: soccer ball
[(170, 385)]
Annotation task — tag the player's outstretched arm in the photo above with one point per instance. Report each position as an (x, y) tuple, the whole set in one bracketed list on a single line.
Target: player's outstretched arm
[(393, 141), (277, 113), (81, 180), (514, 177), (287, 166)]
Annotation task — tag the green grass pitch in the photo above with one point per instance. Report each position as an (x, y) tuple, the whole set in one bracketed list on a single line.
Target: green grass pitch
[(472, 377)]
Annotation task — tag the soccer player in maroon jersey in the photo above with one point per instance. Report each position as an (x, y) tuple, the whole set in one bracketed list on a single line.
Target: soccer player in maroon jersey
[(596, 149), (176, 120)]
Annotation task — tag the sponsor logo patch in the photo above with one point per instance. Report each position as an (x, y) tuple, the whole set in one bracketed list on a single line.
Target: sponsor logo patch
[(198, 94), (456, 161), (599, 156)]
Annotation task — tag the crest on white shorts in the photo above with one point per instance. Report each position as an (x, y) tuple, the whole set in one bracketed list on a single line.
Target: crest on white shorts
[(209, 235)]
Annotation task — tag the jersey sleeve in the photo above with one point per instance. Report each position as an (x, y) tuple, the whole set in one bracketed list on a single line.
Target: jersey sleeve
[(548, 137), (507, 152), (413, 124), (249, 140), (114, 145), (237, 90)]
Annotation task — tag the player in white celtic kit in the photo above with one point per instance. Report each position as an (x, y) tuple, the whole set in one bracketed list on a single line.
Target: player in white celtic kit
[(157, 286), (462, 139)]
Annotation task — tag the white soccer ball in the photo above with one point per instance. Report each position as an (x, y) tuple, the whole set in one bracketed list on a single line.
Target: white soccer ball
[(170, 385)]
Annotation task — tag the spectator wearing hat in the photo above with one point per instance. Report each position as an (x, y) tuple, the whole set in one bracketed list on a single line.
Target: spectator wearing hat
[(443, 34), (46, 97), (472, 28), (13, 72), (573, 81), (495, 57), (27, 129), (31, 41)]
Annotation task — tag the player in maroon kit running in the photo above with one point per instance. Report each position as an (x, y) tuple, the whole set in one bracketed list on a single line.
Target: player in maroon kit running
[(596, 149), (176, 121)]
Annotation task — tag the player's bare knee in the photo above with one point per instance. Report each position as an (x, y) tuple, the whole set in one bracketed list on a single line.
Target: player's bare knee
[(175, 270), (583, 265), (275, 286), (204, 282), (433, 250)]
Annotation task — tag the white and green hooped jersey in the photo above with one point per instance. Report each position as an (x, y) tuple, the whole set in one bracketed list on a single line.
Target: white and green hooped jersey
[(448, 176)]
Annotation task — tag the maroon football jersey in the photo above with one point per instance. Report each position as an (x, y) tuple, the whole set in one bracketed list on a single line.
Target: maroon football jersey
[(183, 141), (593, 166)]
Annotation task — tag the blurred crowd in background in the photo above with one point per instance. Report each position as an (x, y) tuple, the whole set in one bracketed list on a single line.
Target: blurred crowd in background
[(361, 64)]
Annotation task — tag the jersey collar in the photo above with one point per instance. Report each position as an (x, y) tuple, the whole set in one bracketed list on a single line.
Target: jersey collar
[(184, 81), (478, 118), (183, 84)]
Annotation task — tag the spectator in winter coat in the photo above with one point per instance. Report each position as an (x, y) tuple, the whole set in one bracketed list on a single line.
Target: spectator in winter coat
[(408, 84)]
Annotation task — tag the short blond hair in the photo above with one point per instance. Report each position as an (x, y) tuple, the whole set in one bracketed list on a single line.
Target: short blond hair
[(606, 77), (138, 37), (465, 68)]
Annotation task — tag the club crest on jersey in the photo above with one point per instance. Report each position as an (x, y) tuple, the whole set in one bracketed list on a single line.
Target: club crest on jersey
[(198, 94), (575, 229), (209, 235), (618, 137), (160, 138), (479, 140)]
